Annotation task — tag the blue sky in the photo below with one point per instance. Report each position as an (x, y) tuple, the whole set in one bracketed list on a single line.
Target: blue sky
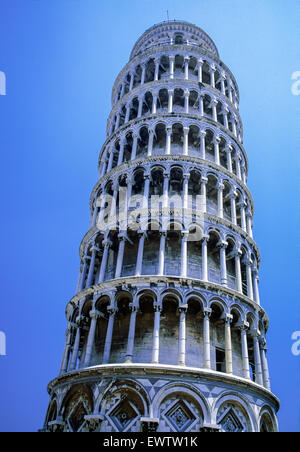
[(60, 58)]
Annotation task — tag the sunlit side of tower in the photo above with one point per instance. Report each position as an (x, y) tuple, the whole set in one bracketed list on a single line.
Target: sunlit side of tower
[(166, 331)]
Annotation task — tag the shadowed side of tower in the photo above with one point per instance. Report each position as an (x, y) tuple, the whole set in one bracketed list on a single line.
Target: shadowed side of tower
[(166, 331)]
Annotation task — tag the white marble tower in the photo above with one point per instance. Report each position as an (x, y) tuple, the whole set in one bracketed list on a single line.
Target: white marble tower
[(166, 331)]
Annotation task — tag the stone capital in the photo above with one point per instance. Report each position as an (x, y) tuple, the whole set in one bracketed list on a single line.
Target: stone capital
[(157, 307), (95, 314), (205, 238), (243, 325), (106, 242), (222, 244), (207, 312)]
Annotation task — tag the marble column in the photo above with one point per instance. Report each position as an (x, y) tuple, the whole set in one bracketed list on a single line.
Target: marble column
[(109, 333), (255, 285), (121, 152), (131, 81), (214, 104), (161, 259), (204, 258), (212, 71), (64, 364), (146, 191), (264, 363), (249, 223), (238, 272), (202, 144), (168, 140), (170, 100), (92, 267), (223, 245), (134, 146), (228, 344), (172, 61), (110, 161), (184, 240), (245, 356), (182, 335), (248, 264), (74, 357), (217, 140), (154, 104), (119, 265), (156, 72), (185, 191), (83, 274), (201, 105), (223, 77), (257, 358), (200, 64), (233, 207), (186, 140), (106, 244), (155, 346), (243, 216), (139, 261), (94, 314), (143, 66), (166, 190), (186, 101), (206, 338), (204, 181), (140, 108), (220, 187), (150, 143), (131, 334), (186, 67), (127, 114), (229, 160), (225, 117)]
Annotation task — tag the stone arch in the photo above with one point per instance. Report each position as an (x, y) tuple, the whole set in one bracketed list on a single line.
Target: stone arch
[(267, 420), (236, 400), (52, 411), (122, 405), (77, 403), (181, 397)]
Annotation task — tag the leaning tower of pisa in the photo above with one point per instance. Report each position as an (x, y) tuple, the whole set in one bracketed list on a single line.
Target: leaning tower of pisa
[(166, 331)]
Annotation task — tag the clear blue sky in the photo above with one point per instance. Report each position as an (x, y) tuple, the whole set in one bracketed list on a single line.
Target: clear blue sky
[(60, 58)]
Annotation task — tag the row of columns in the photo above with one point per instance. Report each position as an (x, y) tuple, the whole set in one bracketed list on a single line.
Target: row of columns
[(244, 210), (259, 347), (227, 116), (108, 157), (251, 270), (231, 94)]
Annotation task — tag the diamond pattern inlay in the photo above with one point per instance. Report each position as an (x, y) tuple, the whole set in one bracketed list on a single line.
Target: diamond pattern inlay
[(180, 416), (123, 414)]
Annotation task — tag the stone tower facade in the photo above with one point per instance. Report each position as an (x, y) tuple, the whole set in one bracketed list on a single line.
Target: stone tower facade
[(166, 331)]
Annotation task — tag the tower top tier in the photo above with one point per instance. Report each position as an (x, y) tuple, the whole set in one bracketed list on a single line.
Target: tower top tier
[(174, 32)]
